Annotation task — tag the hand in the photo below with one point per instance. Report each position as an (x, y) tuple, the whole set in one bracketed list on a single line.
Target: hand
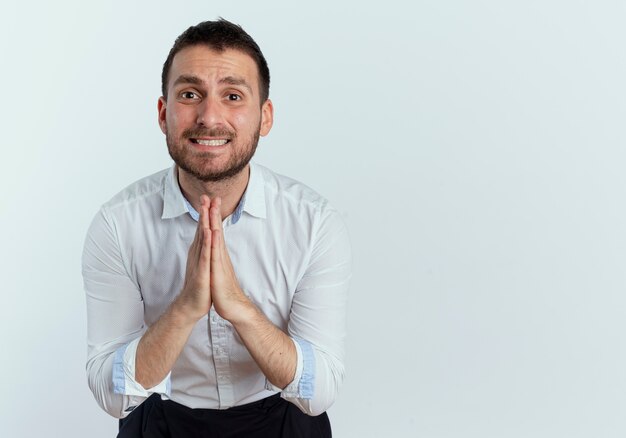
[(195, 298), (228, 299)]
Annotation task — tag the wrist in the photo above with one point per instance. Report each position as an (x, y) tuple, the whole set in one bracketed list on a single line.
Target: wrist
[(244, 312), (182, 312)]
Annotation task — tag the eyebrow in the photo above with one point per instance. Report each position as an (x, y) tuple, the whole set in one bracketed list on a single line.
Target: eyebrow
[(188, 79), (232, 80), (229, 80)]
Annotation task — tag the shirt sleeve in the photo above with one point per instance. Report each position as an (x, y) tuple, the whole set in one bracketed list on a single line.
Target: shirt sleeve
[(318, 318), (115, 322)]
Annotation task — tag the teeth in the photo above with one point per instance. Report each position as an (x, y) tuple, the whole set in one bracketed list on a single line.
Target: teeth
[(211, 142)]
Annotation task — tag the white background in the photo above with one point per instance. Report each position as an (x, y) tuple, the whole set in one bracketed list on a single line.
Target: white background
[(476, 149)]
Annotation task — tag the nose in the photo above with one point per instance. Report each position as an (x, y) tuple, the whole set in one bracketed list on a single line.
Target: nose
[(209, 113)]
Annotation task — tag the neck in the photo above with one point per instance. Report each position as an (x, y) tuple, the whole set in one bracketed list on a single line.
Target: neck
[(230, 190)]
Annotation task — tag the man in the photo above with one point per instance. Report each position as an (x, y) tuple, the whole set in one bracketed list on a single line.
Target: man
[(216, 289)]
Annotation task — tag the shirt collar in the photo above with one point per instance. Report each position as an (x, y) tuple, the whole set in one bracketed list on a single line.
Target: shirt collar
[(253, 200), (255, 193), (173, 200)]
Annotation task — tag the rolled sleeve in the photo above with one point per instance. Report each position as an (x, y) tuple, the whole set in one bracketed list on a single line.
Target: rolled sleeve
[(318, 318), (124, 375), (291, 390)]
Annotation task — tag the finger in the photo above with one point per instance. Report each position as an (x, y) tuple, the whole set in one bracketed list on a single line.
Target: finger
[(219, 253), (195, 257), (198, 236), (216, 215), (204, 225), (205, 252), (217, 238), (216, 250), (205, 203), (216, 224)]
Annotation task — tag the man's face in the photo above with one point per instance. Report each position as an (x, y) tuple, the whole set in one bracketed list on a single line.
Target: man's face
[(213, 116)]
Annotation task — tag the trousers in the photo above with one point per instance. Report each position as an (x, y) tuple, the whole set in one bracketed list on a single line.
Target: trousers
[(272, 417)]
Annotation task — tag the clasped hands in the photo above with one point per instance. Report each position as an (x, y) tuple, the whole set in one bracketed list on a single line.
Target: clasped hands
[(210, 277)]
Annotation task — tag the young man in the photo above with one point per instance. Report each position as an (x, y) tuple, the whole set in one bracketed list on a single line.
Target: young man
[(216, 289)]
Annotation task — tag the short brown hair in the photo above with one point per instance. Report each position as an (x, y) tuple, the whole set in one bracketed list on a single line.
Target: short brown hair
[(220, 35)]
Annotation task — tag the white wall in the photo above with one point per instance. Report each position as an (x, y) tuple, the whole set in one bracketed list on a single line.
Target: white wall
[(476, 149)]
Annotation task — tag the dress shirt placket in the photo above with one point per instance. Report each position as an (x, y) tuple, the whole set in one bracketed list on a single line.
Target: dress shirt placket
[(218, 333)]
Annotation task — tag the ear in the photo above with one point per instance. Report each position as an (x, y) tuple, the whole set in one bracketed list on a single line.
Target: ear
[(267, 117), (162, 108)]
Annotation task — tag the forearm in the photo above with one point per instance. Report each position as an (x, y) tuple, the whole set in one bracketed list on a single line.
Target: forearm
[(270, 347), (161, 345)]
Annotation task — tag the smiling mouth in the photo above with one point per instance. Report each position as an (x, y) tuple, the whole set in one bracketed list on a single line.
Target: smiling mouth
[(203, 142)]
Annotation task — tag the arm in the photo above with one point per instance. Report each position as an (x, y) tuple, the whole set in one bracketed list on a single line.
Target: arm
[(123, 360), (318, 316), (317, 320), (114, 316), (272, 350), (161, 345), (163, 342)]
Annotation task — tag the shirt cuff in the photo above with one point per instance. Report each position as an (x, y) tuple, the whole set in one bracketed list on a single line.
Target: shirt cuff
[(124, 374), (303, 382)]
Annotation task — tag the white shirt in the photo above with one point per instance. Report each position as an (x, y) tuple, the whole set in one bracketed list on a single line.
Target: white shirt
[(291, 253)]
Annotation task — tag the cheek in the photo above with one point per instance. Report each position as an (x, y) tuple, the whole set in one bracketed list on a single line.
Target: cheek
[(241, 120), (180, 115), (173, 121), (247, 121)]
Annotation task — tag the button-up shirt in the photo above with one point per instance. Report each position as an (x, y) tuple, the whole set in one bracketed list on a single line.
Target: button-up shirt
[(291, 254)]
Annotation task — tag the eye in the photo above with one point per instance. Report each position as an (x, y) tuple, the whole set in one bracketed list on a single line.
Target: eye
[(234, 97), (190, 95)]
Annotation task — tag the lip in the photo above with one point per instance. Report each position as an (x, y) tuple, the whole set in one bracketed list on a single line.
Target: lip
[(208, 147), (207, 139)]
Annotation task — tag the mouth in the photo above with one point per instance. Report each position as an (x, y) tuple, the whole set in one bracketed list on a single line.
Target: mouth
[(209, 142)]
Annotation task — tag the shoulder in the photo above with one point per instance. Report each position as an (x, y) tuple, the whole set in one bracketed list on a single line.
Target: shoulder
[(291, 192), (298, 210), (146, 190)]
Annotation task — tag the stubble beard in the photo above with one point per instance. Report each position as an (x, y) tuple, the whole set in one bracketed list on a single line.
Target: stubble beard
[(195, 162)]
